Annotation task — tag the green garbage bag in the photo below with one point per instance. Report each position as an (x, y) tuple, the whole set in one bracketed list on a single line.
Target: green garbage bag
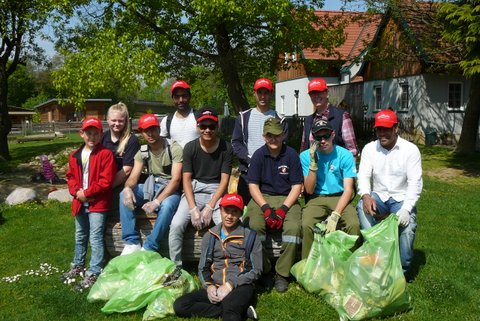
[(118, 272), (375, 285), (360, 285)]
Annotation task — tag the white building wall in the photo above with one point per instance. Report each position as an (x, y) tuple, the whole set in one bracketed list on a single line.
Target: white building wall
[(285, 102)]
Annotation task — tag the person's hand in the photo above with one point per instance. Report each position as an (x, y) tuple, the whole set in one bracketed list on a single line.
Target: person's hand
[(267, 215), (206, 215), (369, 205), (150, 207), (81, 196), (313, 156), (212, 294), (332, 221), (403, 217), (279, 217), (223, 291), (129, 198), (196, 218)]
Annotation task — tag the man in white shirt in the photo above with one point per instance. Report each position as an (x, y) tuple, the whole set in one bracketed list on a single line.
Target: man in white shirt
[(180, 126), (390, 181)]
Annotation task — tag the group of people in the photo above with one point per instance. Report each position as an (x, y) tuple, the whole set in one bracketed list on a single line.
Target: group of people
[(182, 174)]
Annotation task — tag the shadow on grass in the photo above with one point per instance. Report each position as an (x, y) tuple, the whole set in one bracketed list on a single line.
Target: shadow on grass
[(469, 164), (418, 262)]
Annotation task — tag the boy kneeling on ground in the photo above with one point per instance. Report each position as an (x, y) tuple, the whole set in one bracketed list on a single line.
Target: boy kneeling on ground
[(231, 261)]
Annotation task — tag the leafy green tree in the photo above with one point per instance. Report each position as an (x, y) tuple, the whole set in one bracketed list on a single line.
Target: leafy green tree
[(20, 22), (461, 22), (146, 40), (21, 86)]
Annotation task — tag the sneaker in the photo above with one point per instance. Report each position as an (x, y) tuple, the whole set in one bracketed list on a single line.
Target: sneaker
[(281, 283), (87, 282), (130, 248), (251, 313), (75, 270)]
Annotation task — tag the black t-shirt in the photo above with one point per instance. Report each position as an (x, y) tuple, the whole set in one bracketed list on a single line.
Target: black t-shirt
[(132, 147), (207, 168)]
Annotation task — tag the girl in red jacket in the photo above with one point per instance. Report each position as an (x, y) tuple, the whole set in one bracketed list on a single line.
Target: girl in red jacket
[(91, 170)]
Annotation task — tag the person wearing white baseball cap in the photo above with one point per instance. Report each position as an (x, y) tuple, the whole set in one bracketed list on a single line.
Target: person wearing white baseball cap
[(338, 118), (390, 181)]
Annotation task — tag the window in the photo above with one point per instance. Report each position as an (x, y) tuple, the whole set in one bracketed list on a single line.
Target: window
[(404, 97), (377, 95), (455, 96)]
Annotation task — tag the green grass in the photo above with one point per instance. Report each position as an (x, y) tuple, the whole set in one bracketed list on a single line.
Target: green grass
[(447, 260)]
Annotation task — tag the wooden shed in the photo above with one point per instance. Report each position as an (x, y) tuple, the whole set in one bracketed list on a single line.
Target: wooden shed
[(52, 110)]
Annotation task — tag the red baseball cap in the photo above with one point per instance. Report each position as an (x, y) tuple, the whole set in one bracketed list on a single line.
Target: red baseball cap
[(317, 84), (179, 84), (91, 122), (207, 113), (232, 200), (148, 120), (385, 118), (263, 83)]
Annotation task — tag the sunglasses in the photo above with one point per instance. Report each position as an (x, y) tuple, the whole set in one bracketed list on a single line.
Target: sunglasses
[(320, 137), (210, 126)]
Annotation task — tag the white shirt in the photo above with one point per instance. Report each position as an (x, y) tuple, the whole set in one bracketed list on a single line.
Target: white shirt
[(396, 173), (255, 129), (182, 130), (85, 168)]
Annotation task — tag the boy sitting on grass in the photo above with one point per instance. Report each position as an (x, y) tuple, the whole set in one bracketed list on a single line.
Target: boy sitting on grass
[(231, 261), (91, 170)]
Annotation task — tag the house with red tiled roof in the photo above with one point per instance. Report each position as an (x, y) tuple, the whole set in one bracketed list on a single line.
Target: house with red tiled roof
[(339, 66)]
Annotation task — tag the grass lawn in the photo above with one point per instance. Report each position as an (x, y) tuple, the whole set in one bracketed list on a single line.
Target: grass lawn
[(447, 260)]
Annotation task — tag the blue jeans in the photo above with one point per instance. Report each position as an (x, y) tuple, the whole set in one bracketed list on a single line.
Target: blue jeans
[(89, 225), (165, 213), (406, 234)]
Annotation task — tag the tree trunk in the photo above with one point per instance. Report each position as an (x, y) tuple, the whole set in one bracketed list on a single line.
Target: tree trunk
[(5, 121), (468, 137), (227, 64)]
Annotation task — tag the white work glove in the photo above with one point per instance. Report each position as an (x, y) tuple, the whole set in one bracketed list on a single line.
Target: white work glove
[(212, 294), (223, 291), (129, 198), (150, 207), (332, 221), (196, 218), (207, 215), (403, 217), (313, 156)]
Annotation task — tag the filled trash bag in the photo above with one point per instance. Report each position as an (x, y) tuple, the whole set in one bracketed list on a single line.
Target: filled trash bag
[(364, 284), (144, 280)]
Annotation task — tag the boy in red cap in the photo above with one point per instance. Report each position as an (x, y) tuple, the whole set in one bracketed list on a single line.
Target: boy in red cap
[(91, 170), (226, 273), (180, 126), (158, 194), (390, 181), (338, 118), (247, 134)]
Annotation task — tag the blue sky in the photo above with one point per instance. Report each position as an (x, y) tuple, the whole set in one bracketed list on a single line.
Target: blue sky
[(329, 5)]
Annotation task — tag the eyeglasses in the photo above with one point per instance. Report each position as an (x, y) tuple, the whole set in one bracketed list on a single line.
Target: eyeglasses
[(320, 137), (210, 126)]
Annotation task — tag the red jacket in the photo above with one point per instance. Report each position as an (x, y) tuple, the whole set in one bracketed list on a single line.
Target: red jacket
[(101, 172)]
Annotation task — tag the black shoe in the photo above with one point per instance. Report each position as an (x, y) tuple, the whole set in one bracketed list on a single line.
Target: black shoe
[(281, 283), (266, 281), (251, 313)]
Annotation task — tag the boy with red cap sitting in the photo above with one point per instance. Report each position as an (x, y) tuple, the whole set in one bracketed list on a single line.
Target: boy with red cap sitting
[(231, 261)]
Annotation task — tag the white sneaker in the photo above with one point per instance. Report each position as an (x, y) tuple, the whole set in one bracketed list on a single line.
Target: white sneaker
[(130, 248)]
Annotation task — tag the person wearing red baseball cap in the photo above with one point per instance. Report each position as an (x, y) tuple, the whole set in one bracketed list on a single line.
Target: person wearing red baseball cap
[(390, 181), (159, 193), (180, 126), (337, 117), (230, 263), (207, 164), (247, 134), (91, 170)]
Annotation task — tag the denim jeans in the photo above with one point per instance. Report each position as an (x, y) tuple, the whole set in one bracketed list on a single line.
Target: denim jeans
[(406, 234), (90, 226), (181, 220), (165, 213)]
